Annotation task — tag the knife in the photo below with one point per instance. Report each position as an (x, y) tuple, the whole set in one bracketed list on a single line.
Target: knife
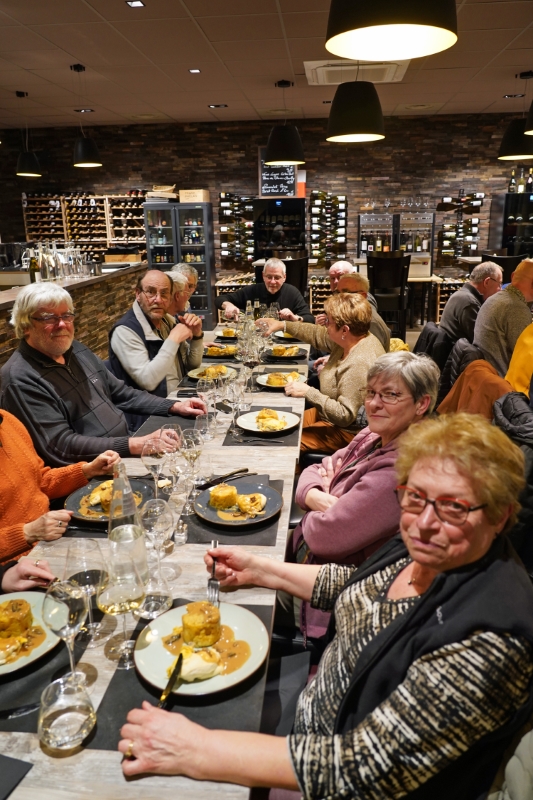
[(171, 681), (240, 473), (21, 711)]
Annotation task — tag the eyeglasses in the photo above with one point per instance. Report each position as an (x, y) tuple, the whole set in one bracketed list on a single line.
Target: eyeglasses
[(447, 509), (496, 281), (350, 291), (151, 293), (389, 398), (55, 319)]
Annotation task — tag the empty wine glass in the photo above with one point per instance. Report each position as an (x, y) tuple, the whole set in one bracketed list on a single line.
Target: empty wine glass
[(66, 715), (171, 433), (123, 592), (64, 612), (386, 203), (153, 453), (418, 201), (157, 521), (202, 424), (410, 202), (85, 566)]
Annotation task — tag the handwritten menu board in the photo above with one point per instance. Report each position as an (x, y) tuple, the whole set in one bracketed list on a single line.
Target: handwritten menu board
[(276, 181)]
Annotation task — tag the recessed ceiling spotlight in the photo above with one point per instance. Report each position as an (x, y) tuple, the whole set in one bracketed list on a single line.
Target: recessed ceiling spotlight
[(327, 102), (217, 105), (135, 3), (511, 96), (84, 110), (194, 71)]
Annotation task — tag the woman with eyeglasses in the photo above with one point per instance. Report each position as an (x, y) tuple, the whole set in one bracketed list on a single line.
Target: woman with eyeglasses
[(428, 672), (349, 498)]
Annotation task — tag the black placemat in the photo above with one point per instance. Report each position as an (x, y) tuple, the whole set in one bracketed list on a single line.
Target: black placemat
[(290, 438), (154, 423), (26, 685), (264, 534), (238, 708), (269, 359), (12, 771)]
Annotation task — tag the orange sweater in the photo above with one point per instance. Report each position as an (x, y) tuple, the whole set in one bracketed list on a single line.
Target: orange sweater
[(26, 485)]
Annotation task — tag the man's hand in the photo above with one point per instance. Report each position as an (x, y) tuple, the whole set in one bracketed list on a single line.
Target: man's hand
[(28, 574), (193, 322), (297, 389), (320, 363), (47, 527), (180, 333), (321, 319), (230, 311), (287, 314), (102, 464), (268, 326), (189, 408)]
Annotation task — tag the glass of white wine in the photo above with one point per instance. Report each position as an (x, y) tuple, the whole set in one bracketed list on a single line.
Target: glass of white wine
[(85, 566), (64, 612), (123, 592), (153, 454), (191, 450), (66, 715)]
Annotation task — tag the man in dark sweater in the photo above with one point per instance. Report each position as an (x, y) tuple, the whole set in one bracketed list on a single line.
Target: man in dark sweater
[(460, 312), (274, 290), (72, 406)]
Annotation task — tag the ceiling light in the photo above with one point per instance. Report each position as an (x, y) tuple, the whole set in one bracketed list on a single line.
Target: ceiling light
[(515, 146), (284, 147), (135, 3), (28, 166), (510, 96), (86, 153), (84, 110), (390, 29), (217, 105), (194, 71), (356, 114)]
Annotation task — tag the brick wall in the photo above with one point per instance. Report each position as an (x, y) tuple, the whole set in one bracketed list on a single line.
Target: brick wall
[(420, 155), (98, 306)]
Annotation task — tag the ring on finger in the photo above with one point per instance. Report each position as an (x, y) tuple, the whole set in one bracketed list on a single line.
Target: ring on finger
[(37, 562), (60, 524), (129, 751)]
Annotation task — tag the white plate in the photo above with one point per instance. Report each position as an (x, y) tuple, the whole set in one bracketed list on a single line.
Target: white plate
[(195, 373), (281, 335), (35, 599), (263, 378), (152, 659), (248, 423)]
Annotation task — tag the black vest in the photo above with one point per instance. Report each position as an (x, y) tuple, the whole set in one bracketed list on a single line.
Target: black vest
[(129, 320), (494, 594)]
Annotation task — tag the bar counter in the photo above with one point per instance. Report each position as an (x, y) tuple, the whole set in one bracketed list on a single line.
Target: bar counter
[(99, 301)]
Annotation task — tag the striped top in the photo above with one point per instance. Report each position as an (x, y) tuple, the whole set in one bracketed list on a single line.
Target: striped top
[(470, 688)]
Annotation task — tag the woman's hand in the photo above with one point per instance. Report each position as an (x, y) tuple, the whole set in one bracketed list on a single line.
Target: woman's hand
[(162, 743), (48, 527), (297, 389), (102, 464), (316, 500), (237, 567), (327, 472), (26, 575)]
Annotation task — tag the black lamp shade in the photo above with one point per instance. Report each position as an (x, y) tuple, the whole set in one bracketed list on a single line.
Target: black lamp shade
[(86, 153), (28, 166), (284, 146), (515, 145), (529, 122), (390, 29), (356, 114)]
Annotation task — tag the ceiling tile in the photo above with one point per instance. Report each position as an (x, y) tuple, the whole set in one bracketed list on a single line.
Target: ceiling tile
[(231, 8), (115, 10), (93, 43), (273, 68), (494, 15), (305, 25), (175, 41), (21, 38), (523, 40), (489, 41), (271, 48), (310, 49), (306, 6), (40, 59), (257, 27), (135, 78), (451, 59), (514, 58), (441, 76), (37, 12)]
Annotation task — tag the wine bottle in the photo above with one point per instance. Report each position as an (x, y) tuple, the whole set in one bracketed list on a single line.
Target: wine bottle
[(529, 182), (409, 243), (386, 244), (256, 309), (521, 185), (364, 243), (512, 182), (379, 242), (35, 272), (371, 242), (249, 310), (418, 243), (403, 242)]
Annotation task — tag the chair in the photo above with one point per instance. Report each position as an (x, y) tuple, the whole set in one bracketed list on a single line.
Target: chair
[(388, 276), (507, 263), (297, 269)]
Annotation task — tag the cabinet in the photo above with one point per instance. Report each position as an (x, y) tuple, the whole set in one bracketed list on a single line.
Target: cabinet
[(511, 223), (319, 291), (43, 217), (444, 292)]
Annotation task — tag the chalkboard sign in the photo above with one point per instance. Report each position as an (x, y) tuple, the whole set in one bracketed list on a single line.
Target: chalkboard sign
[(276, 181)]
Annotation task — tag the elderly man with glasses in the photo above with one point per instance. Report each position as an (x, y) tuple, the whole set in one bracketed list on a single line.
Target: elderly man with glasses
[(147, 348), (72, 406)]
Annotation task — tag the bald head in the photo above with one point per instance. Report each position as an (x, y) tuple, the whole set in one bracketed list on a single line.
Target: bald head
[(522, 279), (336, 271)]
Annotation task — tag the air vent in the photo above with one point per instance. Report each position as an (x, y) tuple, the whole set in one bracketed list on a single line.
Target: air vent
[(331, 73)]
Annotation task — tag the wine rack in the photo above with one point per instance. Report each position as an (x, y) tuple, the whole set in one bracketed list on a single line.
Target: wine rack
[(444, 292), (459, 238), (86, 222), (126, 219), (43, 217), (319, 291), (228, 285), (328, 218), (235, 215)]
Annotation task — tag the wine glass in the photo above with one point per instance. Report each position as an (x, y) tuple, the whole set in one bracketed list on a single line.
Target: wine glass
[(418, 201), (85, 566), (273, 311), (202, 424), (171, 433), (64, 612), (410, 202), (123, 592), (191, 449), (157, 521), (251, 359), (386, 203), (153, 453), (66, 715)]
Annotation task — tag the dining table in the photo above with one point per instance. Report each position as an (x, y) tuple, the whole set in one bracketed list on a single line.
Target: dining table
[(92, 771)]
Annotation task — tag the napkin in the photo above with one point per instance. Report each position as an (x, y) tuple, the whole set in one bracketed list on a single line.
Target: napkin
[(12, 771)]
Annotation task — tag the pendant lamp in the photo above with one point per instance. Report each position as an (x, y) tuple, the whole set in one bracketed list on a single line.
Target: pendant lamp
[(284, 147), (28, 166), (86, 153), (356, 114), (390, 29), (529, 122), (515, 146)]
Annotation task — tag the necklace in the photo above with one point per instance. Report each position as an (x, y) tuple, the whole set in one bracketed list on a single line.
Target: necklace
[(413, 578)]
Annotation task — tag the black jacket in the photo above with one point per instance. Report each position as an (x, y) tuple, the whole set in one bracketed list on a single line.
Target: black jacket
[(493, 594), (434, 342), (287, 297), (462, 354), (459, 316)]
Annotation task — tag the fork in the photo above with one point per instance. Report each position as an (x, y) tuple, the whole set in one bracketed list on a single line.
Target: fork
[(213, 584)]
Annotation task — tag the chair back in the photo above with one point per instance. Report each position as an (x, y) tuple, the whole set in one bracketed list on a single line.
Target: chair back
[(388, 280), (296, 269), (507, 263)]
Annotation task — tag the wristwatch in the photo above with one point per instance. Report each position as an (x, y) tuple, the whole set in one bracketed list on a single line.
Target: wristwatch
[(198, 337)]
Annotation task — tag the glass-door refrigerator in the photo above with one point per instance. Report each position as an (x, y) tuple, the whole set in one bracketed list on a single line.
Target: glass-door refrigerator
[(161, 239), (511, 223)]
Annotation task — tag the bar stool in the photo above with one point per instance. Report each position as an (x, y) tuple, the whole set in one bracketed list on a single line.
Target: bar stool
[(507, 263), (388, 276)]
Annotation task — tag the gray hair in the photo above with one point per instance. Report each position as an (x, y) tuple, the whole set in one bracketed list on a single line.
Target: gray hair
[(486, 270), (32, 297), (277, 263), (179, 281), (418, 371), (344, 265), (185, 269), (362, 282)]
